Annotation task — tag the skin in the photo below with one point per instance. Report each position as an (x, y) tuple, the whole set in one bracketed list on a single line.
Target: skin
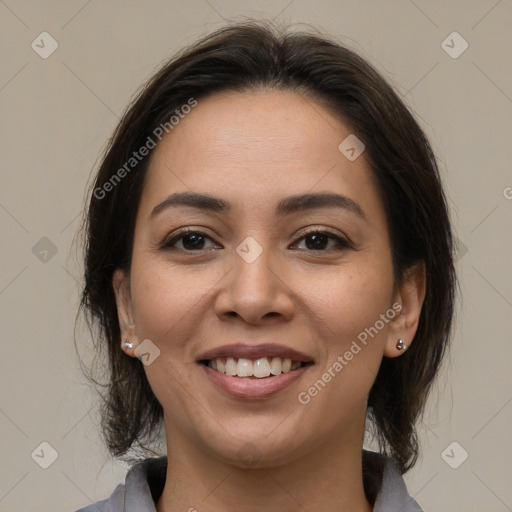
[(252, 150)]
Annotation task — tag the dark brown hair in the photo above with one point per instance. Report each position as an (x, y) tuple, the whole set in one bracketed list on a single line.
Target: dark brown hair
[(243, 57)]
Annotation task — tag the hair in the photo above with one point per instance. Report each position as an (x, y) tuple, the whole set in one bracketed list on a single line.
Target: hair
[(241, 58)]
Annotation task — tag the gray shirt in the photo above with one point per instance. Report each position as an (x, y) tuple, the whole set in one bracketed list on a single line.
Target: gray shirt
[(145, 482)]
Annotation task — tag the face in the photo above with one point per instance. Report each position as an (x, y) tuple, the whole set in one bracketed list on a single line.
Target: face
[(258, 280)]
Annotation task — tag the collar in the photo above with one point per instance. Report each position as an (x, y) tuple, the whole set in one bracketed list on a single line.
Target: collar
[(145, 482)]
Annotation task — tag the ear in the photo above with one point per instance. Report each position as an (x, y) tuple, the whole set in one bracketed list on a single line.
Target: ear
[(121, 285), (410, 295)]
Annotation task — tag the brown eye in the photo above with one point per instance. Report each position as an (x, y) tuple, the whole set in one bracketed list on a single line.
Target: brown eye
[(194, 241), (320, 240), (189, 241), (316, 242)]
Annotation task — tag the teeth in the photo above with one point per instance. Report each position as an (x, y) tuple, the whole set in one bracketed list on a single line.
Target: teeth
[(244, 368), (259, 368), (231, 367), (275, 366)]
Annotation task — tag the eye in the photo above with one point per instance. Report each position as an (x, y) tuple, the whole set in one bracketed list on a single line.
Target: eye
[(317, 240), (190, 241)]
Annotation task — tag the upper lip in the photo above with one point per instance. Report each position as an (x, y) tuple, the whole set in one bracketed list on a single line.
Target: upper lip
[(241, 350)]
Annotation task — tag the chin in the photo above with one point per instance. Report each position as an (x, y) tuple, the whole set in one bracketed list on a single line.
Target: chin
[(253, 449)]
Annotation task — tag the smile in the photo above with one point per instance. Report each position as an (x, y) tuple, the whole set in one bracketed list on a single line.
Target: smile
[(245, 370), (260, 368)]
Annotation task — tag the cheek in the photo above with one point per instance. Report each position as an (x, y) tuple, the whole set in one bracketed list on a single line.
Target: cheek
[(161, 301), (350, 304), (351, 299), (169, 301)]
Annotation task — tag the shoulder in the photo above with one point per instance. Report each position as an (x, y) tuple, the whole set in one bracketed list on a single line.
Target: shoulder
[(113, 504), (143, 485), (390, 491)]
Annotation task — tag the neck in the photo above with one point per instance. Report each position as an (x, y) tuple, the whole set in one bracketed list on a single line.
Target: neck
[(330, 478)]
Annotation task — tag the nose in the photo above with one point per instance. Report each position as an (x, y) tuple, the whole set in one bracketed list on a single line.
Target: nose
[(256, 291)]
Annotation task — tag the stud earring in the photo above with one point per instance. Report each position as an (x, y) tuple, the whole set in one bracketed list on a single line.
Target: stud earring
[(400, 345), (128, 344)]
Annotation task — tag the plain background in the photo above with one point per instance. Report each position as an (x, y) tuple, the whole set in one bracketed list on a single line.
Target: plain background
[(57, 114)]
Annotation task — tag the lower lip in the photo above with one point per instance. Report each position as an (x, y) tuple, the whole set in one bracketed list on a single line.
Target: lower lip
[(253, 388)]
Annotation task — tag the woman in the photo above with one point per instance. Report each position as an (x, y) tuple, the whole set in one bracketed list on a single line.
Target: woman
[(269, 260)]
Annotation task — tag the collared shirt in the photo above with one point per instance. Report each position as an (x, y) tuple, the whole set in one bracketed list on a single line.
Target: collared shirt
[(145, 482)]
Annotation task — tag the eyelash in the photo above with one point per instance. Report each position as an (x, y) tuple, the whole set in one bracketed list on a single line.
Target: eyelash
[(342, 243)]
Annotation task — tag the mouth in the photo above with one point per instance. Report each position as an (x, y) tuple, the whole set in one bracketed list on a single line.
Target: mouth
[(246, 371)]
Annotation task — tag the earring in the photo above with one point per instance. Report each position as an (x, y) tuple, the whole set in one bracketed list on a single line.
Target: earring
[(128, 344), (400, 345)]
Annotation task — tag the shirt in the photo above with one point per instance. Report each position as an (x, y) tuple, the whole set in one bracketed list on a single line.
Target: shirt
[(145, 482)]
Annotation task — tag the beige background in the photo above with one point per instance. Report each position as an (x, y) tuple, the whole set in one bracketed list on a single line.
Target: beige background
[(57, 114)]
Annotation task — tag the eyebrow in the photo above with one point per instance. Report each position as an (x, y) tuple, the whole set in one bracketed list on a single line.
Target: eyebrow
[(287, 206)]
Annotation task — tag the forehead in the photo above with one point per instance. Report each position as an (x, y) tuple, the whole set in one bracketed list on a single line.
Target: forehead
[(253, 146)]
